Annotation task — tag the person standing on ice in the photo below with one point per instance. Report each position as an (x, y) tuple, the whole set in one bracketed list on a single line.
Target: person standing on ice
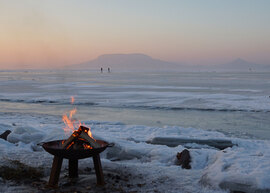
[(101, 69)]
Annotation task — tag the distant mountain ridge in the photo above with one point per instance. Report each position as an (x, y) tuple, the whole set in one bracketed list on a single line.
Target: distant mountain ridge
[(142, 62), (134, 61), (243, 65)]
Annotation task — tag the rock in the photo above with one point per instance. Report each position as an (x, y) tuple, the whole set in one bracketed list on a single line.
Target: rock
[(5, 134), (184, 159)]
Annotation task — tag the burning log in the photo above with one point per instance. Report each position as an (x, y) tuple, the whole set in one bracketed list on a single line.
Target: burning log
[(68, 143), (79, 144), (80, 139), (90, 140)]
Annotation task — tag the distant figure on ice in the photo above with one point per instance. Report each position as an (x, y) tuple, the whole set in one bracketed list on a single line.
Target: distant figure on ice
[(101, 70), (109, 70)]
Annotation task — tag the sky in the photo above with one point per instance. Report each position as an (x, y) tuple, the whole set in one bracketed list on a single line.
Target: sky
[(46, 34)]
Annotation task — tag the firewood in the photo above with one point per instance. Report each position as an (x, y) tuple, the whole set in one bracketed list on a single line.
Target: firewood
[(67, 142), (78, 138), (90, 140), (84, 135), (78, 144), (83, 129)]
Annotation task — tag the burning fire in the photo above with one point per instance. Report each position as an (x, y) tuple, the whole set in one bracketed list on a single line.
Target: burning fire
[(72, 99), (71, 125)]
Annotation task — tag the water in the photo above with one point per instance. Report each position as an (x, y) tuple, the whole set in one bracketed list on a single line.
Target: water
[(237, 104)]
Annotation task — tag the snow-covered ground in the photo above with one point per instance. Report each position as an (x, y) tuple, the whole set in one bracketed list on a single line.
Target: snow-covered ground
[(140, 166)]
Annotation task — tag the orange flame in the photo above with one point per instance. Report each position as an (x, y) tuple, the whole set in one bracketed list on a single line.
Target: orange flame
[(72, 112), (69, 122), (71, 125), (72, 99)]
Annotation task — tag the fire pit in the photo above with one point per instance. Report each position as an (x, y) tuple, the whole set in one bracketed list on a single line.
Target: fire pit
[(55, 148), (78, 146)]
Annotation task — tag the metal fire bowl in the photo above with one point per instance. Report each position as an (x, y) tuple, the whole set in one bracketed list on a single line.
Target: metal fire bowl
[(55, 148)]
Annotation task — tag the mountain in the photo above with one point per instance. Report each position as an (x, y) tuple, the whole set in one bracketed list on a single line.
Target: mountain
[(242, 65), (126, 62), (142, 62)]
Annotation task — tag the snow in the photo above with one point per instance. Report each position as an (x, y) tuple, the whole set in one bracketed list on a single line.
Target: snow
[(246, 163), (25, 135)]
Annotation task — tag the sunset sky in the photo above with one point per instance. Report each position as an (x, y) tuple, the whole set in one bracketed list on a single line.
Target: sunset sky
[(54, 33)]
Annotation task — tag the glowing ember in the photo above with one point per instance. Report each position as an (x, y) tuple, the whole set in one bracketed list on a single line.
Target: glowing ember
[(72, 143), (86, 146)]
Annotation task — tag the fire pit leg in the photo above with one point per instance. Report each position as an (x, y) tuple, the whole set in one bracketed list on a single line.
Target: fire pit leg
[(55, 172), (98, 170), (73, 168)]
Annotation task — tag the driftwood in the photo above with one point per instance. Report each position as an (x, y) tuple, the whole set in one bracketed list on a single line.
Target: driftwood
[(184, 159), (173, 142), (5, 134)]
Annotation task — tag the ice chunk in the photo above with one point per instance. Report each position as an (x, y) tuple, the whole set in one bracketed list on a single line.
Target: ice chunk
[(26, 135)]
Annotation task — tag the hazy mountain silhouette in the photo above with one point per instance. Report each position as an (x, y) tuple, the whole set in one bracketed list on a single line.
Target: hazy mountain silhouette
[(127, 62), (242, 65), (142, 62), (237, 65)]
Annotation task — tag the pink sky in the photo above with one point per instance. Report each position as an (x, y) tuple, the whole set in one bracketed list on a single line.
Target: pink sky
[(42, 34)]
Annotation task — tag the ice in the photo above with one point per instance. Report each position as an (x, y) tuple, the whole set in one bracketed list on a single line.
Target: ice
[(247, 163), (4, 127), (112, 91), (25, 135), (32, 105)]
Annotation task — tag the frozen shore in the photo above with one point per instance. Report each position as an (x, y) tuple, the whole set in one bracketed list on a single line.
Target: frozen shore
[(133, 165)]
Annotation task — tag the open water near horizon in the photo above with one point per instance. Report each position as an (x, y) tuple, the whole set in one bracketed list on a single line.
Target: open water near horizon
[(237, 104)]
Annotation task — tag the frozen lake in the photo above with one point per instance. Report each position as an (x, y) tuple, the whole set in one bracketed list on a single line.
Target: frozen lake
[(130, 109), (237, 104)]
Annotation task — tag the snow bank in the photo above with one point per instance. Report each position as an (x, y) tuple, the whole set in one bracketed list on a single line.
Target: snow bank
[(246, 165), (26, 135)]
